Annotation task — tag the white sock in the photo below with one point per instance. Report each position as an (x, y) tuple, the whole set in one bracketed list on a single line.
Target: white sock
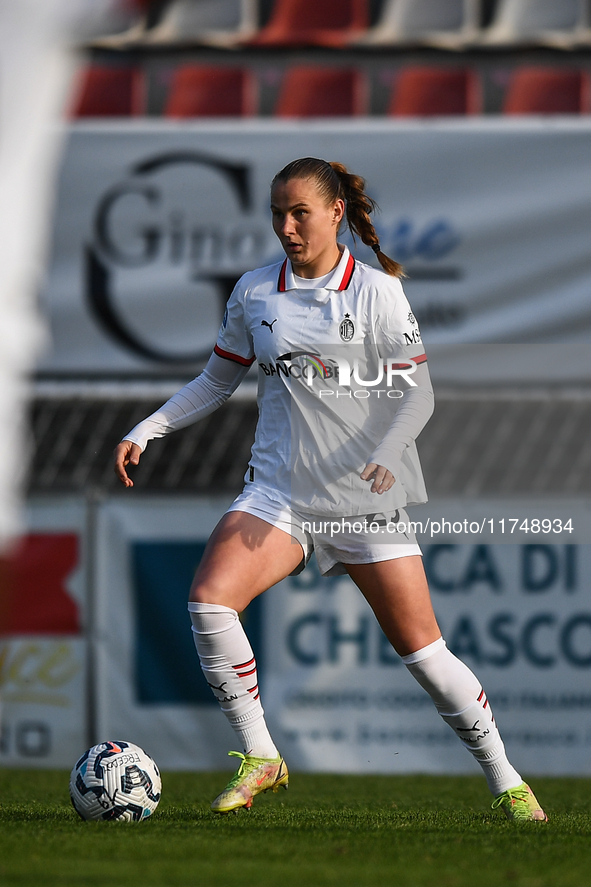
[(229, 666), (462, 703)]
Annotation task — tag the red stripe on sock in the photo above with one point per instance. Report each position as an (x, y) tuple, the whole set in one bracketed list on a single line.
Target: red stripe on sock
[(244, 664), (245, 674)]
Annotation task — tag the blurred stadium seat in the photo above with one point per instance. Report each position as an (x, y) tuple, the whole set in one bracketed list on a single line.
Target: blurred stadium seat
[(320, 23), (425, 92), (218, 22), (198, 91), (109, 91), (148, 15), (447, 23), (322, 92), (539, 90), (557, 22)]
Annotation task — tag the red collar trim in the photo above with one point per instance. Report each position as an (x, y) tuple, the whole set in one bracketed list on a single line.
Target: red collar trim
[(346, 280), (281, 282), (348, 273)]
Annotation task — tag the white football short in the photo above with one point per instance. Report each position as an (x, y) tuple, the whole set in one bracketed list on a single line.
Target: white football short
[(361, 539)]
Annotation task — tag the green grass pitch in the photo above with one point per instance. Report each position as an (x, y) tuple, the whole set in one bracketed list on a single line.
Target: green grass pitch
[(351, 831)]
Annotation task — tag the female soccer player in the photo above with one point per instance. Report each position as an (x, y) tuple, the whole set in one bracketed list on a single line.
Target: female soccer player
[(343, 392)]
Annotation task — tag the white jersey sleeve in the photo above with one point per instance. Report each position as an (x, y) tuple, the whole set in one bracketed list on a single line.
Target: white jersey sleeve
[(225, 370), (234, 339), (396, 328), (399, 340), (197, 399)]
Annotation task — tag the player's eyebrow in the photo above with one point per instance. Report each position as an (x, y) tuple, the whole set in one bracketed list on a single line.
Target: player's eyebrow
[(302, 203)]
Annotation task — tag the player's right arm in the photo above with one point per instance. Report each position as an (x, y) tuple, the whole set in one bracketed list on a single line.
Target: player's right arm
[(197, 399), (226, 368), (126, 453)]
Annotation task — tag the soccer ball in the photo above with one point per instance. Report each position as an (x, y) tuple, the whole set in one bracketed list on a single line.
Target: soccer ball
[(115, 780)]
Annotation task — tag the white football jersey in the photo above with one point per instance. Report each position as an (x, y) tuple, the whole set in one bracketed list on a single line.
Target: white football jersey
[(334, 365)]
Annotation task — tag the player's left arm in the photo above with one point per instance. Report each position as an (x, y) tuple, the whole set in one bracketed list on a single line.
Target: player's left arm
[(415, 410), (401, 348)]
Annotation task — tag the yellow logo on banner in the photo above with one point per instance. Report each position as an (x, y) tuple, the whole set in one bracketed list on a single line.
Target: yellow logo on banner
[(37, 671)]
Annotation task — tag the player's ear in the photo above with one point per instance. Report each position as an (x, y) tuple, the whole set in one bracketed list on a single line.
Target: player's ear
[(338, 210)]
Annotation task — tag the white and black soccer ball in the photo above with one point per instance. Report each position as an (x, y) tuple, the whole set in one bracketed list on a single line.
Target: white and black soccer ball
[(115, 780)]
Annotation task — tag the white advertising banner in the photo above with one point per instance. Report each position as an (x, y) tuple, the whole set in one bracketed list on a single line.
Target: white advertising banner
[(155, 221), (336, 696), (43, 666)]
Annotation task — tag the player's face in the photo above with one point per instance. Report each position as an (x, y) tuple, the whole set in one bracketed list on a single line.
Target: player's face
[(306, 226)]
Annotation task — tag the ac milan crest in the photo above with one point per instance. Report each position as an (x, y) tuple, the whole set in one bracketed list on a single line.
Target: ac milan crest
[(347, 329)]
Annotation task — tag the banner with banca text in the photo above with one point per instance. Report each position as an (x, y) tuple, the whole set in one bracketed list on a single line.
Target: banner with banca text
[(336, 696)]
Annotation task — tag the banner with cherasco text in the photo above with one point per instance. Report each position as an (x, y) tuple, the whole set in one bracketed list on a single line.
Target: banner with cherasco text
[(154, 223), (336, 696)]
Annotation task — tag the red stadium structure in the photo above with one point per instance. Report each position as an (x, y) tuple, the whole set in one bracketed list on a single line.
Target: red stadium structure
[(199, 91), (545, 90), (428, 92), (321, 23), (322, 92)]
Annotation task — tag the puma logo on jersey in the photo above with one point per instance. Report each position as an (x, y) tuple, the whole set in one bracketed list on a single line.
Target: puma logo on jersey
[(270, 325)]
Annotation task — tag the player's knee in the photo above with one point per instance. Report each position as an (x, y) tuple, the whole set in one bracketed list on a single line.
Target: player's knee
[(202, 593), (209, 592)]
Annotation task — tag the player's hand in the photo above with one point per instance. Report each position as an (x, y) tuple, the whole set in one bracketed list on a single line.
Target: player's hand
[(382, 479), (126, 453)]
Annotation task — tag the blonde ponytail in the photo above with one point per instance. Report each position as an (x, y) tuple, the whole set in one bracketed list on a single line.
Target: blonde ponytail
[(358, 206)]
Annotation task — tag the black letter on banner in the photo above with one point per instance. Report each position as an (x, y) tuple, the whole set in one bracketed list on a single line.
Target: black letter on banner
[(293, 639), (359, 637), (496, 627), (566, 640), (464, 640), (481, 568), (431, 559), (529, 630), (99, 284), (532, 554)]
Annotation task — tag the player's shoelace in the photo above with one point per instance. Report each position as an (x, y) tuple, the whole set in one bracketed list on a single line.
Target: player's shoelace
[(520, 803), (247, 765), (243, 770)]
